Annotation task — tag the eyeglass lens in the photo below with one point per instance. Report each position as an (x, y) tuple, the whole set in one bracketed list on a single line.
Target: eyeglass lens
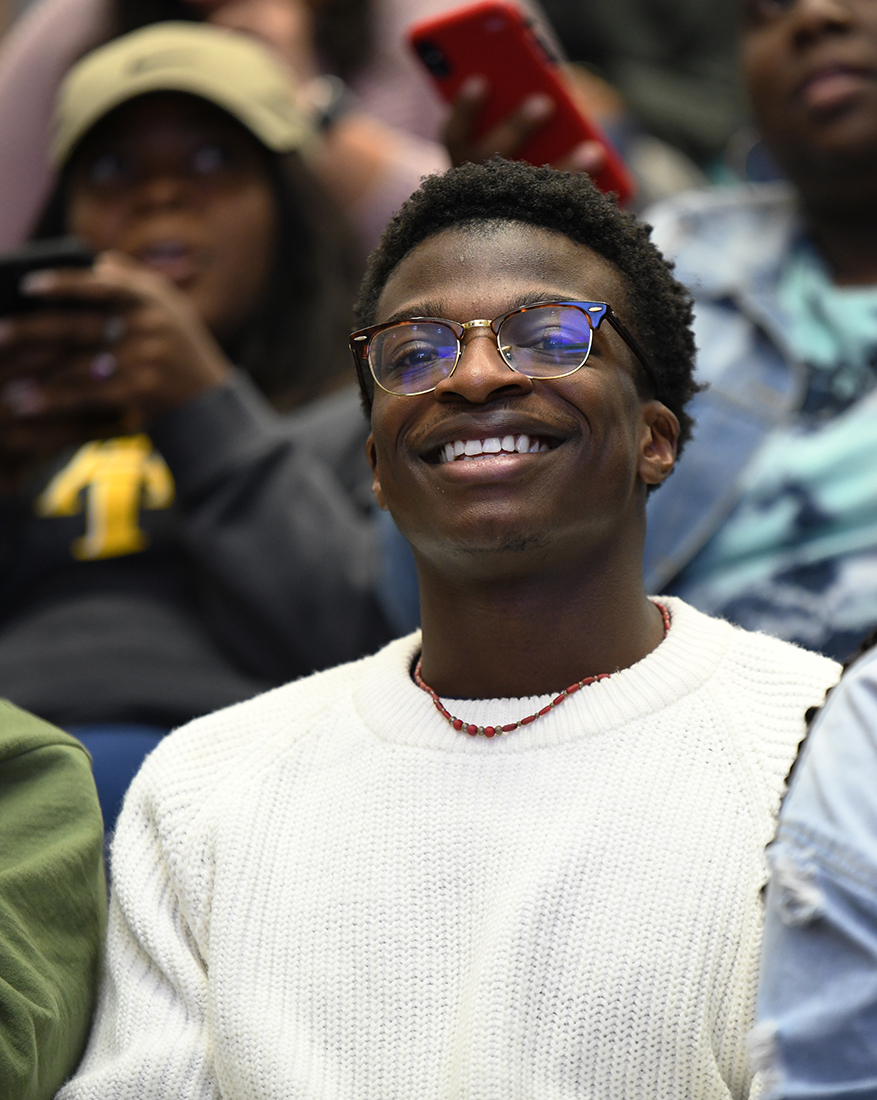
[(539, 341)]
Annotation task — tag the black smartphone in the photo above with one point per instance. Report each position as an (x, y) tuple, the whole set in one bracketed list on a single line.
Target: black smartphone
[(39, 256)]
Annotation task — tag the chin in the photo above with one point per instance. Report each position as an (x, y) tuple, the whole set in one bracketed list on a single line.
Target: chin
[(494, 547), (837, 159)]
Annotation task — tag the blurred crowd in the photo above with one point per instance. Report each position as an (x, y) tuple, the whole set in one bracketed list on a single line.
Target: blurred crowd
[(186, 508)]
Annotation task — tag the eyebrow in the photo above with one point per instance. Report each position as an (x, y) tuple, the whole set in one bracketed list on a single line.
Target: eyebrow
[(435, 309)]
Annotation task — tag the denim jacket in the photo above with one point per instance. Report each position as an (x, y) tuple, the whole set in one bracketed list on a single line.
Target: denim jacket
[(729, 246), (817, 1002)]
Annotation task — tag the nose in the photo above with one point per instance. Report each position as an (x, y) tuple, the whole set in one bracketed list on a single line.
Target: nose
[(163, 188), (812, 18), (482, 375)]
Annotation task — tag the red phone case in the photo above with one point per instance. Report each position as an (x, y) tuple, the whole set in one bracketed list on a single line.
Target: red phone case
[(496, 40)]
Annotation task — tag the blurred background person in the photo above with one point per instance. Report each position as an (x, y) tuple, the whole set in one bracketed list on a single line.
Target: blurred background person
[(52, 904), (673, 64), (369, 165), (380, 120), (817, 1003), (771, 519), (382, 124), (170, 543)]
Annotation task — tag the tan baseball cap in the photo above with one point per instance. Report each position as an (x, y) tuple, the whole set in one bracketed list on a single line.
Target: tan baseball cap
[(224, 67)]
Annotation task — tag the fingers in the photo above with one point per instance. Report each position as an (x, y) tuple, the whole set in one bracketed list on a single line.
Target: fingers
[(588, 156), (46, 376), (461, 121), (506, 138), (150, 371), (85, 382), (57, 332), (110, 283), (142, 348), (509, 135), (78, 385)]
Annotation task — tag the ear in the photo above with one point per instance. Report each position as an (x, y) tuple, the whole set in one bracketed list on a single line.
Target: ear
[(658, 443), (371, 454)]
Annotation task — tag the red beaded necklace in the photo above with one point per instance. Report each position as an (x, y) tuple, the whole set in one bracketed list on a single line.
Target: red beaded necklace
[(492, 731)]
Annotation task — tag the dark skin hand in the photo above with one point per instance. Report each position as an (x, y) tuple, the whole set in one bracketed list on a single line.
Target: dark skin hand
[(507, 137), (68, 376), (351, 157)]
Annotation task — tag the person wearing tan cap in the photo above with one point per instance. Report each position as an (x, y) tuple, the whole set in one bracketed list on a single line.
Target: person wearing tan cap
[(171, 543)]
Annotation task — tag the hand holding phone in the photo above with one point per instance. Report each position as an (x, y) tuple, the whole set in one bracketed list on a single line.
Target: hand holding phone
[(511, 134), (134, 348), (493, 40), (57, 252)]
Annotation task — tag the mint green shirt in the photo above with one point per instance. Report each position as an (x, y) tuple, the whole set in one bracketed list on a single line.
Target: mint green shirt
[(798, 555)]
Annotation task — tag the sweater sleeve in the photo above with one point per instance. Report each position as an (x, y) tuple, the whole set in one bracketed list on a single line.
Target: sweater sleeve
[(272, 518), (36, 54), (52, 903)]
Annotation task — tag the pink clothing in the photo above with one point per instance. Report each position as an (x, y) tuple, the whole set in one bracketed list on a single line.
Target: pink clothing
[(53, 34), (35, 55)]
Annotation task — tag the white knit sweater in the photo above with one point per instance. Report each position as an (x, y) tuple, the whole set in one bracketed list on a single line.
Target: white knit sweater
[(328, 894)]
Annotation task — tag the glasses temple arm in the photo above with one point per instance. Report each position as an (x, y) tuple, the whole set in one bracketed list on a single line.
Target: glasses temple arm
[(625, 334), (361, 369)]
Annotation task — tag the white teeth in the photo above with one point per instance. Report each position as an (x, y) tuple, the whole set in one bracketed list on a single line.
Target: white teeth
[(510, 444)]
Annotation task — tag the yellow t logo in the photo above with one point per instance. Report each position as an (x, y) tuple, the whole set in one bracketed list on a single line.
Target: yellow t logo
[(120, 476)]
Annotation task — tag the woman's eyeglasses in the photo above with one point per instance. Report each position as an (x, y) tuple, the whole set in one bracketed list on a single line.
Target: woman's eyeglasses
[(543, 340)]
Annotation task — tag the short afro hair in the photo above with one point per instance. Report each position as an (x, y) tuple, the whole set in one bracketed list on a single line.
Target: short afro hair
[(659, 307)]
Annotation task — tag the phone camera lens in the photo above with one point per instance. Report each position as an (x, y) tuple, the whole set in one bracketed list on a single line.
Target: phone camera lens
[(434, 59)]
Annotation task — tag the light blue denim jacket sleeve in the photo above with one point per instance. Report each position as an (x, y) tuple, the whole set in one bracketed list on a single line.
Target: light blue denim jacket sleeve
[(817, 1005), (729, 246)]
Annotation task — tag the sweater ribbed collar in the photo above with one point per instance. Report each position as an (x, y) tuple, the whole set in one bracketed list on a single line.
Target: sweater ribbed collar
[(399, 712)]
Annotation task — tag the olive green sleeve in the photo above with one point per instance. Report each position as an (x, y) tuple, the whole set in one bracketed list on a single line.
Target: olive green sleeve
[(52, 904)]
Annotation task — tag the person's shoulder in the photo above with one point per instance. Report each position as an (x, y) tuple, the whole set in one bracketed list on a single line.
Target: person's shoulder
[(847, 724), (785, 663), (752, 216), (762, 662), (22, 732), (757, 698), (710, 209), (863, 672), (234, 746)]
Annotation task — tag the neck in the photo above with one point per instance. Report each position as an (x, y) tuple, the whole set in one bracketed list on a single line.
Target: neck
[(844, 229), (519, 638)]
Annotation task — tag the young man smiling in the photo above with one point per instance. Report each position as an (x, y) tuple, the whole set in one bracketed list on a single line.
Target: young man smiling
[(519, 855)]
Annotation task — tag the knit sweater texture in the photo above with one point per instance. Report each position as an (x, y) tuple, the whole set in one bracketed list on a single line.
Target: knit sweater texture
[(325, 893)]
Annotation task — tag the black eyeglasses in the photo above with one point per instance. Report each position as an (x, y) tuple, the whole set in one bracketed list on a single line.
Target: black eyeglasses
[(542, 340)]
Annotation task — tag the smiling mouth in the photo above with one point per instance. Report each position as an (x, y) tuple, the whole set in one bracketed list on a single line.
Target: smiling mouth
[(462, 450), (172, 258), (831, 85)]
